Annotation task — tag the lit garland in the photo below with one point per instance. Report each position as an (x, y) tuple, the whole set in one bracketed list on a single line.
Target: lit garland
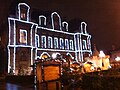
[(40, 21), (75, 44)]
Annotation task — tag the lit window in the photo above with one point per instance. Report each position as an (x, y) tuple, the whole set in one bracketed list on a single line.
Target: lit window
[(55, 42), (71, 44), (61, 43), (66, 44), (22, 15), (49, 42), (37, 40), (23, 36), (43, 41)]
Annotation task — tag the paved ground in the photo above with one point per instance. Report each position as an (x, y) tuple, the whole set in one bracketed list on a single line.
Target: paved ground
[(20, 86), (12, 86)]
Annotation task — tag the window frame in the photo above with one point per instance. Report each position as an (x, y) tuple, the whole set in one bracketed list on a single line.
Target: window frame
[(43, 45), (55, 38), (23, 30), (61, 43), (66, 44), (51, 45), (37, 40), (71, 45), (84, 46)]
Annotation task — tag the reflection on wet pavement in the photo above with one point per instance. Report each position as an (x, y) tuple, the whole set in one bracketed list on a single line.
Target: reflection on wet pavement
[(11, 86)]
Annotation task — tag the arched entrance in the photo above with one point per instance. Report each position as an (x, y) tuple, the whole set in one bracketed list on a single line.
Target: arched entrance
[(44, 55)]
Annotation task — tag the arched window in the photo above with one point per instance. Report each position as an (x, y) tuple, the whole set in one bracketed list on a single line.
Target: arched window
[(65, 26), (44, 55), (66, 44), (37, 40), (71, 45), (56, 21), (43, 41), (50, 43), (23, 11), (83, 27), (55, 42), (61, 43), (42, 20), (70, 56)]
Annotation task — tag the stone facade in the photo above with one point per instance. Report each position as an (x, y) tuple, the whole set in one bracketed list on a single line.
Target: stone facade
[(30, 41)]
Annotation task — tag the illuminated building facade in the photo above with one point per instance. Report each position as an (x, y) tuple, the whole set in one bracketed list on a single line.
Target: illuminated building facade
[(29, 41)]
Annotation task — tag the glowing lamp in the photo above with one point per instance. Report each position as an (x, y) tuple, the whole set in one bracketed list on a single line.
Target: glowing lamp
[(117, 58), (54, 55), (101, 54)]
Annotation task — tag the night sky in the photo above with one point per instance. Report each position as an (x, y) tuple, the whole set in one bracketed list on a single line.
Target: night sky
[(102, 17)]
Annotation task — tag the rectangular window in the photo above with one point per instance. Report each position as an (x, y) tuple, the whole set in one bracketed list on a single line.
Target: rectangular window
[(37, 40), (43, 41), (23, 36), (55, 43), (71, 45), (66, 44), (88, 43), (50, 42), (61, 43), (84, 44)]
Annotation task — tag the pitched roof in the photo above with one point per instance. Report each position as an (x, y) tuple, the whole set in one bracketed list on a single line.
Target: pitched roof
[(95, 52)]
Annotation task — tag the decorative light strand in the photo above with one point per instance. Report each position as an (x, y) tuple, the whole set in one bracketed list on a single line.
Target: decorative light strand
[(76, 42)]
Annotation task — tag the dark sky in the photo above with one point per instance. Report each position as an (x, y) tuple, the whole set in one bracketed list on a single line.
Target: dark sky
[(102, 17)]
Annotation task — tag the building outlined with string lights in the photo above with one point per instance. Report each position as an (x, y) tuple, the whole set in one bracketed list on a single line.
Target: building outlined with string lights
[(30, 41)]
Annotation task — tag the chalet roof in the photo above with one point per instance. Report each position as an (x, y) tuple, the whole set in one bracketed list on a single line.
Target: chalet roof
[(95, 52)]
